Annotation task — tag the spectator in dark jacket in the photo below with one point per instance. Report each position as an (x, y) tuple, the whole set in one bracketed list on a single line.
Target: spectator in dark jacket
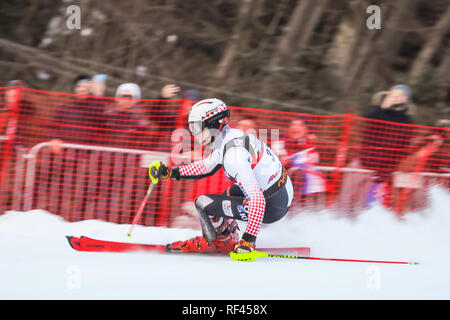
[(78, 121), (385, 140), (125, 122), (164, 114)]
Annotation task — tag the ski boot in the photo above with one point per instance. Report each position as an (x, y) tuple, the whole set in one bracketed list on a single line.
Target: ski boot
[(227, 237)]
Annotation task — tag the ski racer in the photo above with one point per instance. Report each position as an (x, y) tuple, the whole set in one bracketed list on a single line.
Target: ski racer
[(262, 191)]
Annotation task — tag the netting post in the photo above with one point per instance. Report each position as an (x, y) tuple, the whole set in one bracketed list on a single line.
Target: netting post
[(11, 128), (341, 157)]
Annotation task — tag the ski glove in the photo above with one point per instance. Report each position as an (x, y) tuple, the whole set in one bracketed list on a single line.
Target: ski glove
[(244, 247), (158, 170)]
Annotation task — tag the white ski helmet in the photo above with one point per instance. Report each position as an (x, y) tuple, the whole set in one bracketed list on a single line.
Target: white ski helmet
[(208, 113)]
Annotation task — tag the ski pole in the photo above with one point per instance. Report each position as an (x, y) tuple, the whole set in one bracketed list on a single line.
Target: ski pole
[(154, 167), (258, 254), (140, 210)]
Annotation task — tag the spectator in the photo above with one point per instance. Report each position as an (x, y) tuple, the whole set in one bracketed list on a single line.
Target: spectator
[(164, 116), (82, 86), (16, 134), (26, 110), (183, 149), (98, 84), (169, 91), (384, 140), (247, 125), (297, 140), (444, 123), (298, 153), (83, 114), (124, 120), (190, 97)]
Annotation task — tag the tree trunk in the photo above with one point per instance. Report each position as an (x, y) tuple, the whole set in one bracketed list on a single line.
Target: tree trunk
[(280, 12), (294, 28), (362, 56), (430, 47), (389, 43), (311, 24), (272, 26), (232, 49), (374, 63), (358, 22)]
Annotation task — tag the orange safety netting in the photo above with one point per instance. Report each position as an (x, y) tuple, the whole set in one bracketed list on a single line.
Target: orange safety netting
[(87, 157)]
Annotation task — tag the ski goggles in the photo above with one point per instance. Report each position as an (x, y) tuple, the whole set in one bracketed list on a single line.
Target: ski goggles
[(196, 127)]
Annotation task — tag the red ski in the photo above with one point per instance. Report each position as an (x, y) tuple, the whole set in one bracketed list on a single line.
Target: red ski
[(89, 244)]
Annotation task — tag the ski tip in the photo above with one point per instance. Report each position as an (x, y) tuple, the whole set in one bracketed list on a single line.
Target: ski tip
[(414, 263), (129, 235), (73, 243)]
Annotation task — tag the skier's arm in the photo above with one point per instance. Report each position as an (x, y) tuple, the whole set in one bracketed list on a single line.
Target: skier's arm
[(237, 163), (198, 169)]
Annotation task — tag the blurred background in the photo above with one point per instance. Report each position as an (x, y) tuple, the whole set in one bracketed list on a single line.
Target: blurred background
[(357, 91), (314, 56), (352, 95)]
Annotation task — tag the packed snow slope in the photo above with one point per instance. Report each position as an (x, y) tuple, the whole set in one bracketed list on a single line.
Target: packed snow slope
[(37, 262)]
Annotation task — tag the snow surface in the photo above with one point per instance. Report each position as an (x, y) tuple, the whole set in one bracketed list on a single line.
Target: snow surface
[(37, 262)]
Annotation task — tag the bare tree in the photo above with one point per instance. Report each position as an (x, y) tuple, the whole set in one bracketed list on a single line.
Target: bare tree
[(432, 44), (292, 31), (232, 48), (304, 55), (311, 23)]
